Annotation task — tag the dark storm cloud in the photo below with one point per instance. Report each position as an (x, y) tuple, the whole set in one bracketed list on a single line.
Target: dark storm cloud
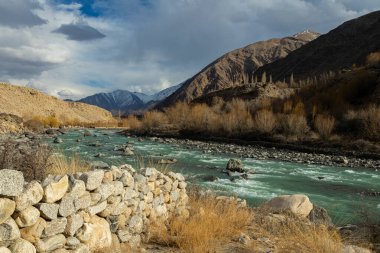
[(11, 67), (18, 13), (80, 32)]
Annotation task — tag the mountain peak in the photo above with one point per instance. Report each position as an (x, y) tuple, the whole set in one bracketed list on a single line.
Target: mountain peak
[(306, 35)]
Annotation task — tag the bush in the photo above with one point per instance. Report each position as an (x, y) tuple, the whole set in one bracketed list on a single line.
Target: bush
[(324, 124), (33, 161), (34, 125), (212, 223), (294, 124), (373, 59), (62, 165), (132, 122), (153, 119), (265, 121), (371, 121)]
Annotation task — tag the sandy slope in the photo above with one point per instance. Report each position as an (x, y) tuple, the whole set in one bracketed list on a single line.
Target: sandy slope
[(26, 102)]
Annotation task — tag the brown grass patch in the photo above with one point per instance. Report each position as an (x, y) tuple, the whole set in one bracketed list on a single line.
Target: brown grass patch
[(212, 222), (62, 165)]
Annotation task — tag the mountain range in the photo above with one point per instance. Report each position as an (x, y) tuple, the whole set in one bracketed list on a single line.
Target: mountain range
[(305, 54), (124, 102)]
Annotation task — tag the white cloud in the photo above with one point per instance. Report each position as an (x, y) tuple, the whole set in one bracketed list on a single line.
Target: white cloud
[(148, 47)]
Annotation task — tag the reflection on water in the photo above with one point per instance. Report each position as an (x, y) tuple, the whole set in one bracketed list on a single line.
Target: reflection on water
[(336, 189)]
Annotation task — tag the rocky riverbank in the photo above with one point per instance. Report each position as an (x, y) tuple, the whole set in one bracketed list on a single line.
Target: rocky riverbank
[(264, 153)]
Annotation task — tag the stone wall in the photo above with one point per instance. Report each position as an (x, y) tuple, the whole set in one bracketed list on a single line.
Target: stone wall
[(84, 212)]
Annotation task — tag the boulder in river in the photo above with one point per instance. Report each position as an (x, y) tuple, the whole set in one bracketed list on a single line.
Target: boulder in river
[(87, 133), (128, 152), (50, 131), (99, 165), (235, 165), (95, 144), (209, 178), (167, 161), (58, 140)]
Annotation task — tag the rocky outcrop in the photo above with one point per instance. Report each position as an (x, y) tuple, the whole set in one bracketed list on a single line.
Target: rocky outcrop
[(235, 165), (86, 212)]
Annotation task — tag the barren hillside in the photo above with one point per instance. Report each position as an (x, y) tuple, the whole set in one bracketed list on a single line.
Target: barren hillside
[(237, 67), (26, 102)]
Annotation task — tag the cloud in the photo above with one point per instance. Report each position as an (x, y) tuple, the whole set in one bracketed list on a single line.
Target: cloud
[(79, 32), (144, 47), (18, 13)]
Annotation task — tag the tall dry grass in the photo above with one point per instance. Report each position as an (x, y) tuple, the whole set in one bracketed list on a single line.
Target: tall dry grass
[(265, 121), (61, 165), (211, 224), (292, 234), (324, 124)]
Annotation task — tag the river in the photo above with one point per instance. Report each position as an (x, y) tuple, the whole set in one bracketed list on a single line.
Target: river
[(336, 189)]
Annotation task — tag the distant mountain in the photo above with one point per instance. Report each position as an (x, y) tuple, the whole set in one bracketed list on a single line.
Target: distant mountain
[(165, 93), (348, 44), (125, 102), (237, 67)]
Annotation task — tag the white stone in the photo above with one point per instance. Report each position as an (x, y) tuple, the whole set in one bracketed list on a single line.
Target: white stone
[(55, 188), (7, 207), (31, 195), (93, 179), (298, 204), (96, 234), (9, 230), (22, 246), (11, 182), (27, 217)]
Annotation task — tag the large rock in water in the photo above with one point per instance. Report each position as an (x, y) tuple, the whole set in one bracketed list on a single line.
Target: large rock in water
[(235, 165), (11, 182), (298, 204)]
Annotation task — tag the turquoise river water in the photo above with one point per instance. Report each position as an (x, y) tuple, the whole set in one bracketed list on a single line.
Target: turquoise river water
[(339, 192)]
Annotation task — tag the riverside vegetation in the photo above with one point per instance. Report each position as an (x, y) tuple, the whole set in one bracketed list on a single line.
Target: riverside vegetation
[(334, 108), (74, 206)]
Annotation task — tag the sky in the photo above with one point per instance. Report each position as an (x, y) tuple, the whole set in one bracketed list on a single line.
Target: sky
[(75, 48)]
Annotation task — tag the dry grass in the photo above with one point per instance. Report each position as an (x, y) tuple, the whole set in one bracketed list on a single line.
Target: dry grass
[(373, 59), (324, 124), (214, 226), (291, 234), (148, 162), (265, 121), (61, 165), (294, 124), (211, 223), (152, 120)]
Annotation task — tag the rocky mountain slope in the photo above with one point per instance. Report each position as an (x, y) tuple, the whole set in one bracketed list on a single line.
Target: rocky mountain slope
[(348, 44), (117, 101), (237, 67), (27, 102), (125, 102)]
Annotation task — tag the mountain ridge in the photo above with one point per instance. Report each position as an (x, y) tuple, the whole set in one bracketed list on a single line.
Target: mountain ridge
[(342, 47), (125, 102), (233, 67)]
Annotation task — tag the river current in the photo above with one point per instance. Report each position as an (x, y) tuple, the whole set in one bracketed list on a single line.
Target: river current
[(339, 190)]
